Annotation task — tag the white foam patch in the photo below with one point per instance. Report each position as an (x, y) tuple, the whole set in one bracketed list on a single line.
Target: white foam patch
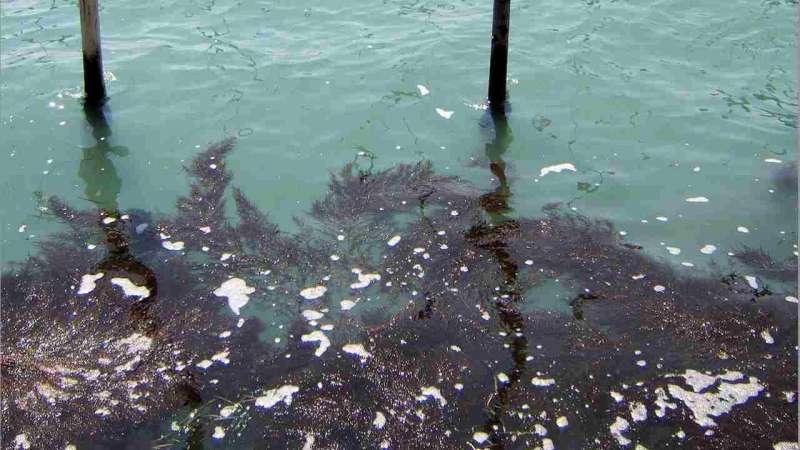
[(557, 168), (638, 412), (380, 420), (310, 314), (219, 433), (174, 246), (542, 382), (444, 113), (662, 404), (130, 289), (21, 442), (708, 249), (707, 405), (310, 440), (347, 305), (88, 283), (434, 393), (786, 446), (274, 396), (313, 292), (620, 426), (480, 437), (317, 336), (204, 364), (357, 350), (364, 279), (237, 291)]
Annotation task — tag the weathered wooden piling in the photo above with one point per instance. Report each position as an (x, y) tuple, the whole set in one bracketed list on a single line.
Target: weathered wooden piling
[(93, 84), (498, 65)]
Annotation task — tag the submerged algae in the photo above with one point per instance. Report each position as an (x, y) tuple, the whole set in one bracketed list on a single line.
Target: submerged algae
[(69, 377)]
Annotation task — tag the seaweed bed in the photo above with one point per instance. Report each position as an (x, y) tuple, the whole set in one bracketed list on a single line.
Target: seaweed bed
[(441, 349)]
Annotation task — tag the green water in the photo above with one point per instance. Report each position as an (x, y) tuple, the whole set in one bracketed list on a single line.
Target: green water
[(635, 96), (652, 104)]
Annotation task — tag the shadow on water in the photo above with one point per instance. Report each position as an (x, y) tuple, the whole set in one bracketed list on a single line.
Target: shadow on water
[(103, 186), (493, 237), (102, 183)]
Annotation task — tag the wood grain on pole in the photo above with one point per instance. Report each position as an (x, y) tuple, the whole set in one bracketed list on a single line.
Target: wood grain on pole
[(93, 83), (498, 65)]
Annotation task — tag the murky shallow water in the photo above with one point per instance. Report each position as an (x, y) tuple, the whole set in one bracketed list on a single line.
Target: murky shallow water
[(586, 274)]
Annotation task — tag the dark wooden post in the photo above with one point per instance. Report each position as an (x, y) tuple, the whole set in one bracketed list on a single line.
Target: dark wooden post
[(498, 65), (93, 84)]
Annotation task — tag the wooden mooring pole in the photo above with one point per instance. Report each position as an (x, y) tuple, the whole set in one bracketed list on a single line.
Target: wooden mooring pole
[(93, 84), (498, 65)]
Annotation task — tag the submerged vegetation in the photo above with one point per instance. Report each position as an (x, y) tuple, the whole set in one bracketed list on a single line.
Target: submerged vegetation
[(402, 314)]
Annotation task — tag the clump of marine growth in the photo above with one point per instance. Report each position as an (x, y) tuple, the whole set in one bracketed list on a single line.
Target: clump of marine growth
[(403, 314)]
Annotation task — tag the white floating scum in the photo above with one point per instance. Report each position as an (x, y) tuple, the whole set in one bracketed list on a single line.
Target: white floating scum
[(434, 393), (174, 246), (219, 433), (620, 426), (237, 291), (347, 305), (444, 113), (380, 420), (707, 405), (480, 437), (130, 289), (556, 168), (88, 283), (310, 314), (752, 281), (357, 350), (364, 279), (21, 442), (274, 396), (708, 249), (313, 292), (317, 336), (542, 382), (638, 411)]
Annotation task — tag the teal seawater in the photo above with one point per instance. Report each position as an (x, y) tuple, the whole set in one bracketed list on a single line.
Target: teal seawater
[(635, 96)]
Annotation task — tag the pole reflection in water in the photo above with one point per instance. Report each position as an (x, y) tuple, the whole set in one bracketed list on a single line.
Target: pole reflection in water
[(493, 236), (103, 185), (102, 188)]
